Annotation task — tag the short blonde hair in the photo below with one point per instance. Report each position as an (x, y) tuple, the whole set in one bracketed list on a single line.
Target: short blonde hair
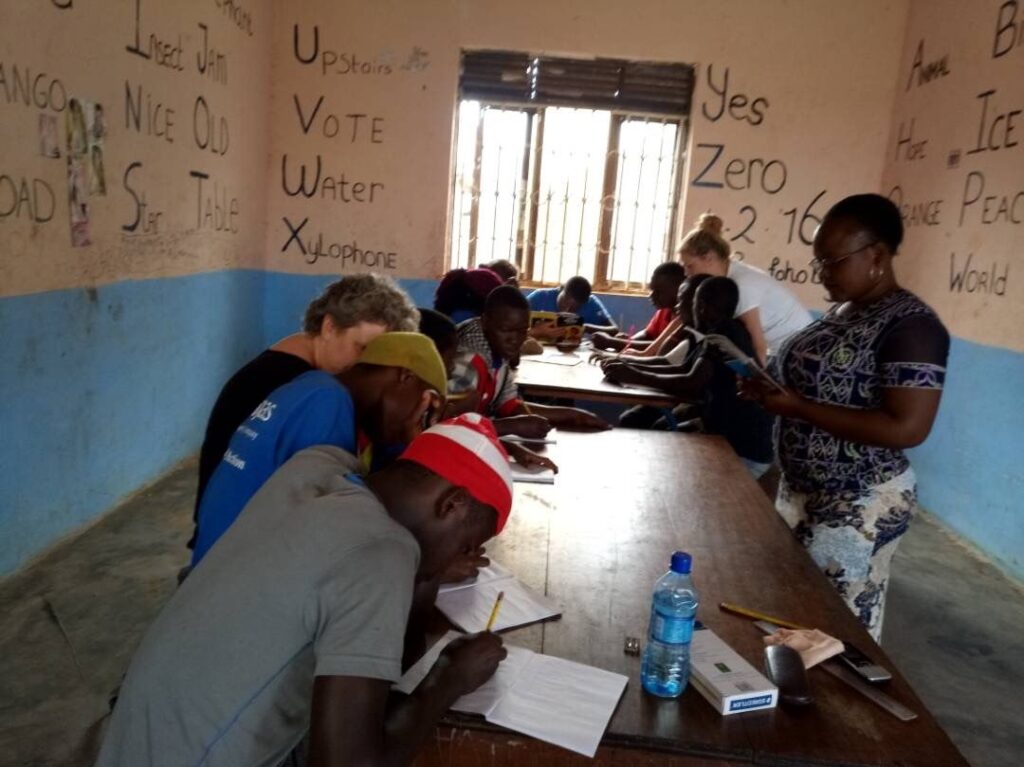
[(362, 298), (706, 237)]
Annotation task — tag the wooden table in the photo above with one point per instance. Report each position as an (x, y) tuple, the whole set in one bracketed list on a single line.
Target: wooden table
[(581, 381), (597, 540)]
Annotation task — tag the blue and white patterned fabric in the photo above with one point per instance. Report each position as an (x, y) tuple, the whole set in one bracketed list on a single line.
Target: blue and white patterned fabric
[(852, 537), (847, 359)]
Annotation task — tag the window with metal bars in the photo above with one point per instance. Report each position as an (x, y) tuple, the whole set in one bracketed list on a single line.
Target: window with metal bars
[(567, 166)]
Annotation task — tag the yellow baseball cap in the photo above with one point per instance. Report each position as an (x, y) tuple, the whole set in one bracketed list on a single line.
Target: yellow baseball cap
[(413, 351)]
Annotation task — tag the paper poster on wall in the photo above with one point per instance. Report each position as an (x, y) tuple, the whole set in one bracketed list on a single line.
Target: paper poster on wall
[(76, 139), (78, 190), (49, 145), (96, 129)]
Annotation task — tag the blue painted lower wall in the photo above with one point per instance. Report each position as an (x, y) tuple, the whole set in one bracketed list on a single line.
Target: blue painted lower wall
[(104, 389), (971, 470)]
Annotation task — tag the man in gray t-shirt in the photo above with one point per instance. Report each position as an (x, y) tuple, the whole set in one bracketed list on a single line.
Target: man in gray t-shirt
[(296, 618)]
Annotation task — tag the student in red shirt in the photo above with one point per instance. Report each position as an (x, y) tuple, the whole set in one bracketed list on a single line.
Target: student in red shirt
[(483, 380), (664, 287)]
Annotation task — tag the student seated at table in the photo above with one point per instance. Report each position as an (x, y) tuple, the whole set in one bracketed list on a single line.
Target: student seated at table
[(462, 292), (296, 620), (441, 330), (379, 402), (575, 297), (505, 269), (338, 325), (679, 342), (713, 383), (664, 289), (485, 383), (677, 360)]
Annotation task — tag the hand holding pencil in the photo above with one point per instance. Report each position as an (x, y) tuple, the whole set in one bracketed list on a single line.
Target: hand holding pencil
[(469, 661), (473, 659)]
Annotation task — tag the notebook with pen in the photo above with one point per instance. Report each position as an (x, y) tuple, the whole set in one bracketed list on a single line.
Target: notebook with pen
[(468, 604), (551, 699)]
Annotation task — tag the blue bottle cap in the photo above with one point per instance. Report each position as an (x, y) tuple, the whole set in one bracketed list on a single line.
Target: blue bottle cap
[(682, 563)]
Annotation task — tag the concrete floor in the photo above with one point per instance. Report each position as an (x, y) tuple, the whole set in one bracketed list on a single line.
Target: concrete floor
[(954, 625)]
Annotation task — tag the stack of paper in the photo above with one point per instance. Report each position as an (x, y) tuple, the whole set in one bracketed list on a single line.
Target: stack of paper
[(556, 359), (468, 604), (535, 474), (555, 700), (550, 439)]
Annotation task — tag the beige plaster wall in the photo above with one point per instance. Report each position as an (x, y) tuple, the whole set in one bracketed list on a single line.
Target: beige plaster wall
[(157, 218), (955, 163), (824, 72)]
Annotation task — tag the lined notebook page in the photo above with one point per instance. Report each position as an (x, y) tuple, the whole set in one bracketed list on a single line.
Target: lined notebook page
[(555, 700)]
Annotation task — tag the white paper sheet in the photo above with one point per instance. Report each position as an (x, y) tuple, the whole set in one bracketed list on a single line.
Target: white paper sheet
[(493, 572), (470, 608), (558, 701), (535, 474), (566, 360), (561, 702), (550, 439)]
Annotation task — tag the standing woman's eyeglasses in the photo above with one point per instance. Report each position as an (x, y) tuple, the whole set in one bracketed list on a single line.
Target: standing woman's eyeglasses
[(822, 265)]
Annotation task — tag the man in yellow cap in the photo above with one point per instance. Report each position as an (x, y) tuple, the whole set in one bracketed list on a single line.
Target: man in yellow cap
[(384, 400)]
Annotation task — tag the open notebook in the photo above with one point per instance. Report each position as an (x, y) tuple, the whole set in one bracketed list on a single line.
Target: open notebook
[(468, 604), (555, 700)]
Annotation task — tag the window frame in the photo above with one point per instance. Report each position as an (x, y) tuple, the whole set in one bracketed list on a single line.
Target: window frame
[(526, 241)]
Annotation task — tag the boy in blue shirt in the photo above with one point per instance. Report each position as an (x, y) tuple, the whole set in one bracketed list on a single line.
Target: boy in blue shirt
[(381, 401), (574, 297)]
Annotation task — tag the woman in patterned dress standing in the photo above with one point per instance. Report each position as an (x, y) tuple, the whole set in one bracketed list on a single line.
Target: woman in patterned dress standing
[(861, 385)]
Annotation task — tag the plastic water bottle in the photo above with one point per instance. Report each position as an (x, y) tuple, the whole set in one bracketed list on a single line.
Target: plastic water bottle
[(665, 668)]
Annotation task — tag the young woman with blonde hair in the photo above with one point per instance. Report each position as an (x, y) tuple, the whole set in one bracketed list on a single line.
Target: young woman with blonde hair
[(768, 309)]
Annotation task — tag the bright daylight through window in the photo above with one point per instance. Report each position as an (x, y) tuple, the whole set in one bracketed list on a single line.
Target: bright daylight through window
[(568, 166)]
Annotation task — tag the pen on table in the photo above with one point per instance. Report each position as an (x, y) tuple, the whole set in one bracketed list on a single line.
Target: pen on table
[(747, 613), (494, 612), (629, 343)]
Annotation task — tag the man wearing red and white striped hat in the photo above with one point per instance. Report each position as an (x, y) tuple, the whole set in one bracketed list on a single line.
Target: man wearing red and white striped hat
[(296, 618)]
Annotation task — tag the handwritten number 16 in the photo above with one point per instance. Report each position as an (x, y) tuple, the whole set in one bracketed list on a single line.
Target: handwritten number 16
[(808, 217)]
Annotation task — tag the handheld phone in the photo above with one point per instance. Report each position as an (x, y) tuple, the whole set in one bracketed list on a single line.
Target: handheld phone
[(863, 665), (741, 368), (745, 370)]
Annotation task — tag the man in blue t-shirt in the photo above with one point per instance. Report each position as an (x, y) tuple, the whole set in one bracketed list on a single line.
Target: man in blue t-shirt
[(574, 297), (379, 402)]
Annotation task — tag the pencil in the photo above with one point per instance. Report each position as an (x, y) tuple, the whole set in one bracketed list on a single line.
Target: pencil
[(629, 343), (747, 613), (494, 612)]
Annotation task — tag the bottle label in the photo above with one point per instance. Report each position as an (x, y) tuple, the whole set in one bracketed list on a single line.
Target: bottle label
[(671, 629)]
